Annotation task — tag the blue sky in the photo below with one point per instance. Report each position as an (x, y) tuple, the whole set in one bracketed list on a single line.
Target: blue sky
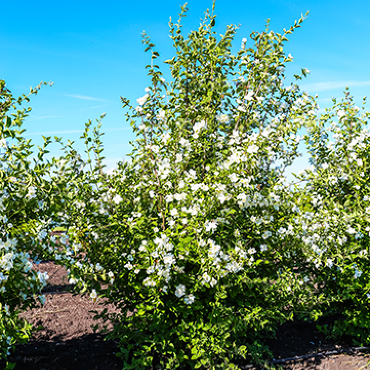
[(92, 51)]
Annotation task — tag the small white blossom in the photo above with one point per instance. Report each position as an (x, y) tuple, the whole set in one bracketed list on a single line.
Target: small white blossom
[(94, 295), (252, 149), (143, 99), (117, 199), (189, 299), (210, 225), (180, 290), (149, 282)]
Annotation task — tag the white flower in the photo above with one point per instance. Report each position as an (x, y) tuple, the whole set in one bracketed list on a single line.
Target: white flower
[(263, 247), (206, 278), (185, 143), (154, 254), (165, 137), (161, 115), (189, 299), (142, 248), (324, 166), (249, 95), (358, 273), (222, 197), (169, 259), (93, 295), (233, 267), (169, 198), (210, 225), (222, 118), (42, 276), (242, 108), (31, 192), (198, 126), (3, 143), (351, 230), (192, 174), (43, 234), (252, 149), (214, 250), (171, 223), (180, 290), (143, 99), (117, 198), (180, 196), (154, 148), (148, 282), (213, 282), (234, 177), (242, 199), (266, 234)]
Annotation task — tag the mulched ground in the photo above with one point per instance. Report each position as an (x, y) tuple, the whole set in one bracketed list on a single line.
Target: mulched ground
[(66, 341)]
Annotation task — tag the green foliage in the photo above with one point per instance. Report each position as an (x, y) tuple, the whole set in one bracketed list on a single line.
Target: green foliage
[(188, 234), (199, 241), (24, 219), (338, 192)]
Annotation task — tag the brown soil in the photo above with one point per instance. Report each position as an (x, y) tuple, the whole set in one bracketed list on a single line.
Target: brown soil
[(66, 340)]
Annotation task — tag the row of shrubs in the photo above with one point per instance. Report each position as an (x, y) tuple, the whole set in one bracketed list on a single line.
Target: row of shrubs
[(199, 239)]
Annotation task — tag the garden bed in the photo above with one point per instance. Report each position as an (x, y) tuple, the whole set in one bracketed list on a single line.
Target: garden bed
[(66, 341)]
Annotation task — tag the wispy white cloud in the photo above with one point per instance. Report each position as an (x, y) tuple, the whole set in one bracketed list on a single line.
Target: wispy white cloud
[(53, 133), (324, 86), (94, 107), (49, 133), (32, 117), (85, 97)]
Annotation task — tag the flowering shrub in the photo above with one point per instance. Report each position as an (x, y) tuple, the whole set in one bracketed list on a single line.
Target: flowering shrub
[(199, 240), (338, 222), (195, 240), (23, 221)]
